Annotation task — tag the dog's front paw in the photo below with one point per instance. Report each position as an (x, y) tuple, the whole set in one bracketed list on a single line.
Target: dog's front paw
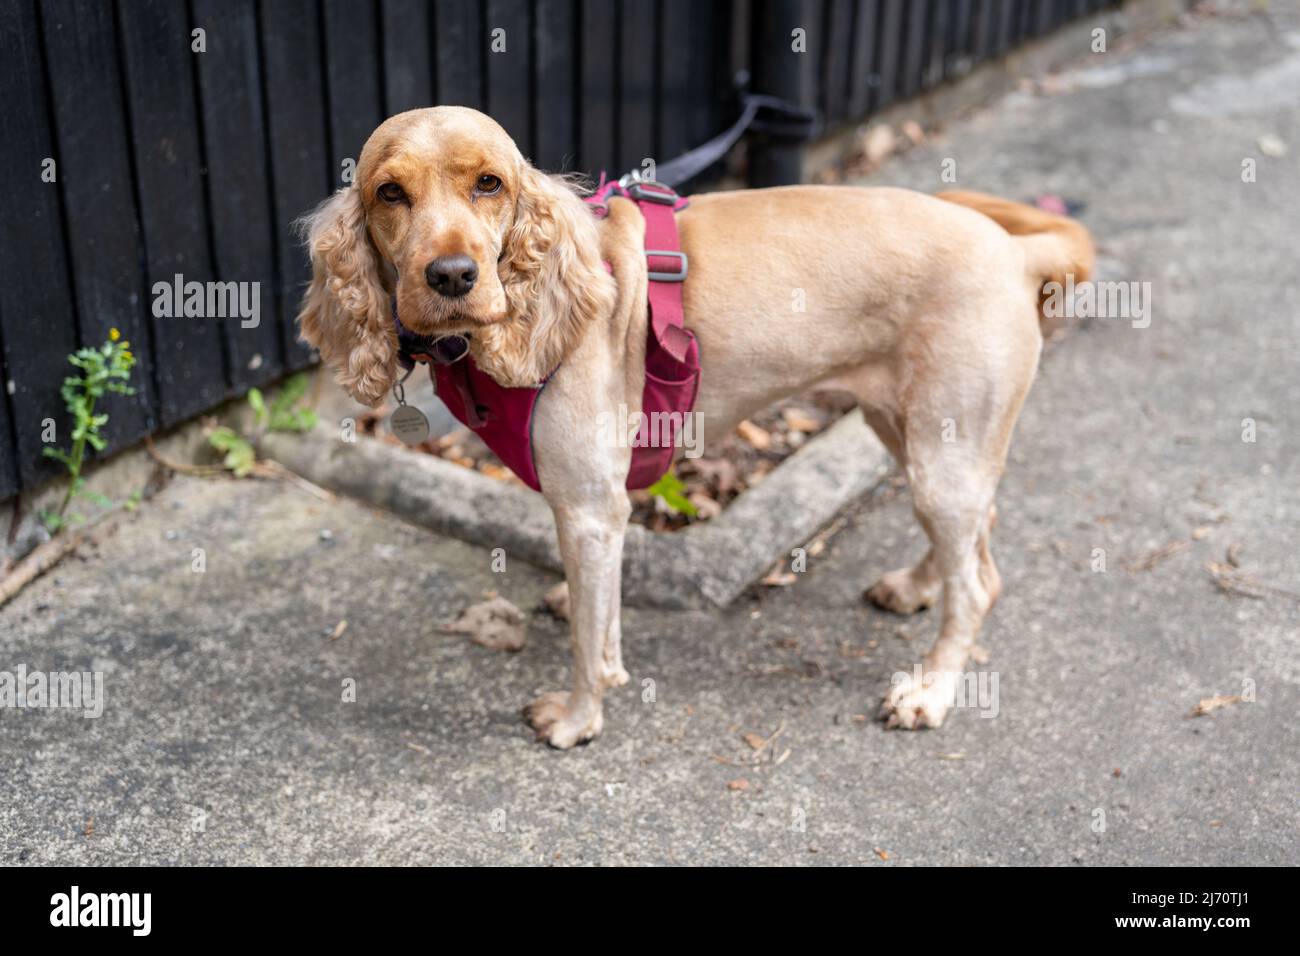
[(560, 726), (912, 704)]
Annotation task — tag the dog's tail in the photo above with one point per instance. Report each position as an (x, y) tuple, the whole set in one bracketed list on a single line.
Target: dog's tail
[(1055, 246)]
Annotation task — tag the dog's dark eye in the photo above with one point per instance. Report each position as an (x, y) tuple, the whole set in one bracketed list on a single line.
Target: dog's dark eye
[(391, 192), (487, 184)]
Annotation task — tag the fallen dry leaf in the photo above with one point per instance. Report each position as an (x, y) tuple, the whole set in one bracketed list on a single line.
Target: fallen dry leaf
[(1152, 558), (452, 438), (339, 628), (1232, 581), (797, 421), (738, 784), (495, 624), (883, 854), (1271, 145), (758, 437), (720, 473), (778, 577), (878, 143), (755, 741), (1210, 704)]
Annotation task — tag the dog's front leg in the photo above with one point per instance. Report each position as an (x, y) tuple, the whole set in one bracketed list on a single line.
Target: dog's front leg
[(591, 541)]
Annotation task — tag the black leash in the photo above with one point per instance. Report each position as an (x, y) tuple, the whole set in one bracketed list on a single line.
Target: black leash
[(763, 114)]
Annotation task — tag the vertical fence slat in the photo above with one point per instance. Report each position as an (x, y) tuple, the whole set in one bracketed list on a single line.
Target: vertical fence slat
[(1024, 18), (407, 67), (1043, 13), (300, 176), (239, 195), (636, 114), (961, 48), (781, 69), (103, 228), (936, 43), (8, 441), (597, 122), (863, 76), (694, 78), (352, 58), (1006, 25), (983, 30), (812, 19), (461, 47), (189, 364), (676, 95), (889, 49), (556, 84), (837, 30), (36, 307), (715, 32), (912, 64), (509, 71)]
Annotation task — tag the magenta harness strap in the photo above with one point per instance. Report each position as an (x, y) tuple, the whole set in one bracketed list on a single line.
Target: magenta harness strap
[(503, 417)]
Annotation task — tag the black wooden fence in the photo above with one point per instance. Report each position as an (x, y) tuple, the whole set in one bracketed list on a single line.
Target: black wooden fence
[(133, 156)]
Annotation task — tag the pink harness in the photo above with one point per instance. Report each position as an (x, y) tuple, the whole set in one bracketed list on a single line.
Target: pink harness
[(503, 417)]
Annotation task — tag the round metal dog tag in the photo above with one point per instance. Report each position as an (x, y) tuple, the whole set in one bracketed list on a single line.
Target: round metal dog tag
[(409, 424)]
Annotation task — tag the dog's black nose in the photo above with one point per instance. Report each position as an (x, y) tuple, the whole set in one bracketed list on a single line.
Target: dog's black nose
[(452, 276)]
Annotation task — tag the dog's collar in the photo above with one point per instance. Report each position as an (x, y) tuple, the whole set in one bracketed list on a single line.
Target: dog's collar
[(427, 349)]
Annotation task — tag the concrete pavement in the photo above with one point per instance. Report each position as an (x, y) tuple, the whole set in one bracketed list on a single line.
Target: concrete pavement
[(226, 737)]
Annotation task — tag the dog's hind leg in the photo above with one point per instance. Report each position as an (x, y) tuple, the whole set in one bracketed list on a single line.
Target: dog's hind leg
[(957, 443), (952, 505), (903, 590)]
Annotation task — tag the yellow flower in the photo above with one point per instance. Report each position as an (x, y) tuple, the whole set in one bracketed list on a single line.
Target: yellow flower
[(114, 334)]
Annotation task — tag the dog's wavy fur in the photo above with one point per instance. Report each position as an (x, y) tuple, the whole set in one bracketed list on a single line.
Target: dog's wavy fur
[(345, 311), (926, 310), (554, 282)]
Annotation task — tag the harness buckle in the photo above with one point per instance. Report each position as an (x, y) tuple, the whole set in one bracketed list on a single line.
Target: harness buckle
[(679, 276), (640, 189), (650, 191)]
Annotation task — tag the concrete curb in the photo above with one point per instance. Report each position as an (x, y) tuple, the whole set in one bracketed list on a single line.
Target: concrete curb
[(708, 564)]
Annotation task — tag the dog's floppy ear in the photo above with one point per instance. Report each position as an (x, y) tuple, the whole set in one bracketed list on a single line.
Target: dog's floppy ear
[(553, 281), (345, 313)]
